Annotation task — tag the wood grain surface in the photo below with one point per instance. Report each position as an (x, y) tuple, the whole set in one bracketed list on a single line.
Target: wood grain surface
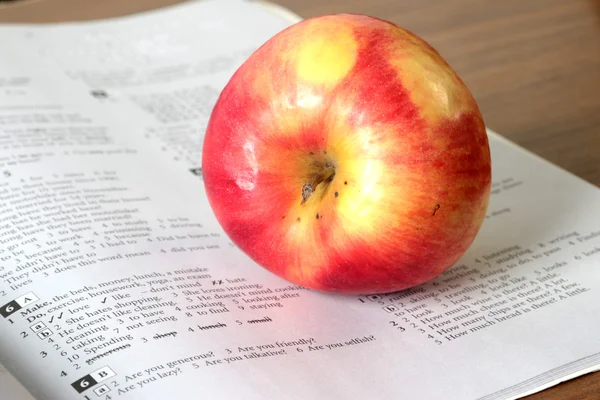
[(532, 65)]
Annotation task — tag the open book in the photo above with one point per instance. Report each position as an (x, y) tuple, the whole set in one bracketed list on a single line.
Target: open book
[(117, 282)]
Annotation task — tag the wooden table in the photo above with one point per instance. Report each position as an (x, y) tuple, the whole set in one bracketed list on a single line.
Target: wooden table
[(532, 65)]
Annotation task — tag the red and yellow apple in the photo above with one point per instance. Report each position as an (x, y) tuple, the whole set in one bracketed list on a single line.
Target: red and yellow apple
[(345, 155)]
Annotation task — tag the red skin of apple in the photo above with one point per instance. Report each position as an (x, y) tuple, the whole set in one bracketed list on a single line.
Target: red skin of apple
[(384, 138)]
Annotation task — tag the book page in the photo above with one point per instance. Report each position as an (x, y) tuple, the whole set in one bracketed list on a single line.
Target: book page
[(116, 281), (162, 68)]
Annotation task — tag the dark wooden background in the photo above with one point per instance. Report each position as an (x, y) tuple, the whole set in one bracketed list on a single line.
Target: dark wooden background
[(532, 65)]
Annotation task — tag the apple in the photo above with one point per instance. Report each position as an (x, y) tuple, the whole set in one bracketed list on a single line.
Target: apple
[(345, 155)]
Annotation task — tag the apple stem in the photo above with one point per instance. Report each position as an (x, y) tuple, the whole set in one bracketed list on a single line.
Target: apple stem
[(325, 175)]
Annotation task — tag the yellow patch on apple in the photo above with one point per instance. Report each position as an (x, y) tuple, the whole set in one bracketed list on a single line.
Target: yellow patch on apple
[(326, 53), (433, 85)]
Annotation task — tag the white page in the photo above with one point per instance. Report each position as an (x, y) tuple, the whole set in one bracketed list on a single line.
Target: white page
[(286, 342), (164, 68)]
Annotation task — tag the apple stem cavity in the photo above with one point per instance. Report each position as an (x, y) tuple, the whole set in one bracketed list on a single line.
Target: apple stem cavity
[(325, 174)]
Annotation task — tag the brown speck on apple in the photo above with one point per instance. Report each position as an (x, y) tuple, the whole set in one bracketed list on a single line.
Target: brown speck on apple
[(298, 219), (437, 207), (324, 151), (311, 153), (345, 182), (317, 215), (336, 194)]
